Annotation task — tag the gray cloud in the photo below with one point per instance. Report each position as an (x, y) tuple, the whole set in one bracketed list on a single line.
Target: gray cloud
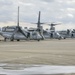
[(6, 3), (47, 0), (51, 10)]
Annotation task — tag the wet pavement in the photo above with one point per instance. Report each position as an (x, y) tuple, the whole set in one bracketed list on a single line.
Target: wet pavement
[(22, 69)]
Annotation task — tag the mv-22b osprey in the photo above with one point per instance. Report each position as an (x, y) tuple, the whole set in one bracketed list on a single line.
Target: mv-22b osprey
[(17, 33)]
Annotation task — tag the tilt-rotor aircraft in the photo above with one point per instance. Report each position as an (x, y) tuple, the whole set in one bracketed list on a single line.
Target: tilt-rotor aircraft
[(52, 33), (39, 28), (17, 33)]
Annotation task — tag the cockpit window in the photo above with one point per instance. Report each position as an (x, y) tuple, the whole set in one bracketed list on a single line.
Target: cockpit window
[(8, 29)]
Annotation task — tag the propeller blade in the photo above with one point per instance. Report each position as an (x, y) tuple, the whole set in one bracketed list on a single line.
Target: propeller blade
[(37, 23), (53, 24), (34, 23), (42, 23), (18, 17), (21, 31)]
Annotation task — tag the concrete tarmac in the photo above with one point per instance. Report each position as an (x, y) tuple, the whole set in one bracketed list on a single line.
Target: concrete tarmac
[(50, 52), (47, 52)]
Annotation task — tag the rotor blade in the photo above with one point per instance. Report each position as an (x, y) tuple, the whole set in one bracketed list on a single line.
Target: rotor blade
[(52, 24), (18, 17), (39, 17), (34, 23), (21, 31), (37, 23), (42, 23)]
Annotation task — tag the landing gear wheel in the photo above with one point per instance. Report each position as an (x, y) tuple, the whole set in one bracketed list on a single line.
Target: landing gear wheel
[(4, 39), (38, 40), (18, 39), (59, 38), (11, 39), (64, 37)]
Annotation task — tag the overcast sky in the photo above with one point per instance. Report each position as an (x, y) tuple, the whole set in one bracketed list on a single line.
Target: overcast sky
[(51, 11)]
